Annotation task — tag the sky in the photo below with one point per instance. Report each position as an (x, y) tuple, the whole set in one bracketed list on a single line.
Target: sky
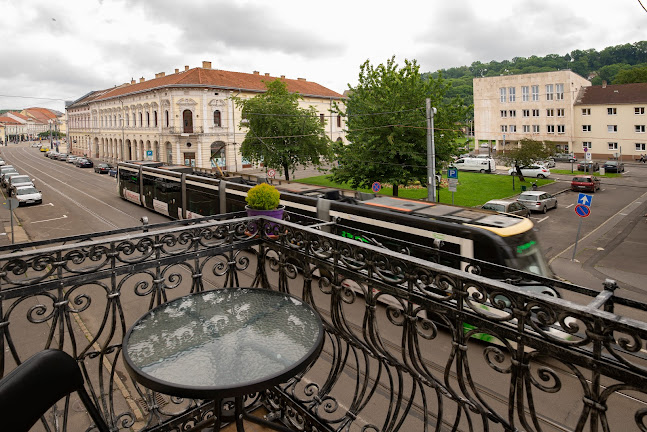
[(53, 51)]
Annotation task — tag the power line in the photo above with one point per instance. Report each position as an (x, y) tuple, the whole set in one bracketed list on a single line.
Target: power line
[(32, 97)]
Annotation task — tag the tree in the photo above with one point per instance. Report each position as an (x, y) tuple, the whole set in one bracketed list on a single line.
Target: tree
[(529, 151), (386, 121), (281, 134), (633, 75)]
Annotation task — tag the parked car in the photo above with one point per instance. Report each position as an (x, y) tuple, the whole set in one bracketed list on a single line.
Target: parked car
[(85, 163), (6, 169), (2, 162), (71, 159), (548, 163), (28, 195), (18, 181), (614, 166), (588, 166), (44, 149), (113, 172), (102, 168), (507, 206), (538, 171), (34, 145), (475, 164), (61, 156), (7, 176), (564, 157), (585, 183), (537, 200)]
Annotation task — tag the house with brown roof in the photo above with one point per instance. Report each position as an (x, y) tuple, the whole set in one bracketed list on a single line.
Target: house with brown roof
[(187, 117), (610, 121)]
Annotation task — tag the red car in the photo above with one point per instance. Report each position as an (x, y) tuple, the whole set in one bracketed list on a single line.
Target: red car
[(585, 183)]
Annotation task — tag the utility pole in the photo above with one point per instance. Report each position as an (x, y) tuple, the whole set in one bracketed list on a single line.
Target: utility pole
[(431, 153)]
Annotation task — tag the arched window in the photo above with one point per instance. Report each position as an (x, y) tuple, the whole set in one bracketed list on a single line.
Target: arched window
[(218, 154), (216, 118), (155, 118), (166, 117), (127, 120), (141, 120), (169, 151), (134, 120), (187, 116), (338, 120), (148, 119)]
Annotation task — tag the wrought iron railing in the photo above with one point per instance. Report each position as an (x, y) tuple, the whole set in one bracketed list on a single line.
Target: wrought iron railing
[(411, 345)]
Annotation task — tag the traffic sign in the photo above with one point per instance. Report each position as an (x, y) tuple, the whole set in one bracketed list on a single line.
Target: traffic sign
[(149, 153), (376, 187), (586, 149), (452, 173), (271, 173), (582, 211), (588, 156), (584, 199)]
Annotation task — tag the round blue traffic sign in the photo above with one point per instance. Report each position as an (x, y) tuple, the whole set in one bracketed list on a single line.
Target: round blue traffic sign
[(376, 187), (582, 211)]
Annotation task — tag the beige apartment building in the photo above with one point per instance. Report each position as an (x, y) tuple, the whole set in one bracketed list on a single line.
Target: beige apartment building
[(537, 106), (610, 121), (187, 117)]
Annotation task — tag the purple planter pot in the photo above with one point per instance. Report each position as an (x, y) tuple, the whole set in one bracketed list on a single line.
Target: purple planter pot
[(276, 213)]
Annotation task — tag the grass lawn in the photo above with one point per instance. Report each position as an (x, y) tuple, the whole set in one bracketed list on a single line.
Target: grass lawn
[(473, 188), (575, 172)]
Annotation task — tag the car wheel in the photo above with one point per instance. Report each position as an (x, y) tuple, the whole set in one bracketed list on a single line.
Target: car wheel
[(544, 210), (541, 176), (482, 171), (555, 204)]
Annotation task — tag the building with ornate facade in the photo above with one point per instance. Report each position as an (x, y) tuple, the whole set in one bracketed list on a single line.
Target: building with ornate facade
[(187, 117)]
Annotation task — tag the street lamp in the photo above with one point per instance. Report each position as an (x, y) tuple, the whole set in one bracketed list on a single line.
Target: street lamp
[(431, 156)]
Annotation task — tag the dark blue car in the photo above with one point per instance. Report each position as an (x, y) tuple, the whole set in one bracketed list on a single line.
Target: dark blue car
[(614, 166)]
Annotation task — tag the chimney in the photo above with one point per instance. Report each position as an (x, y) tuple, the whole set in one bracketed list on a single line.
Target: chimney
[(177, 70), (301, 79), (186, 67), (160, 75), (282, 76), (267, 74), (257, 73), (604, 84), (132, 81), (206, 65), (142, 79)]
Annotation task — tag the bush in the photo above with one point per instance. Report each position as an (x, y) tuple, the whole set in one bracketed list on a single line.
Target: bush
[(263, 196)]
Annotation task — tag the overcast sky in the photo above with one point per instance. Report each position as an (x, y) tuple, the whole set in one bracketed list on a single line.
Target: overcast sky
[(64, 49)]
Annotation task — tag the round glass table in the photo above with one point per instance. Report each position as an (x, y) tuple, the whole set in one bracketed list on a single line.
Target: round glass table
[(223, 343)]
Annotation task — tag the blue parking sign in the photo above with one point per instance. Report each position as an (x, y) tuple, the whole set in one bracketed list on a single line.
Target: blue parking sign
[(452, 173)]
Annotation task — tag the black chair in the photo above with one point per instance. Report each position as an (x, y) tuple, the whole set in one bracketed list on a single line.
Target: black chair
[(28, 391)]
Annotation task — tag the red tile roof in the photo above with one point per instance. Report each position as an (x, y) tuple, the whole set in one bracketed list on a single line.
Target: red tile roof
[(8, 120), (17, 114), (613, 94), (216, 78), (40, 114)]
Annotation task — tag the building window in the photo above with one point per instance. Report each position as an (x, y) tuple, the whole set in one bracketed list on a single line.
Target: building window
[(322, 119), (513, 113), (550, 128), (586, 145), (141, 120), (561, 129), (559, 91), (166, 117), (504, 113), (560, 112), (639, 110), (550, 112), (338, 120), (512, 94), (134, 120), (640, 146), (155, 118), (504, 128), (535, 113), (586, 111), (525, 93), (148, 119), (513, 128), (535, 129), (613, 146), (526, 113), (640, 128), (526, 128), (549, 92), (502, 94), (216, 118), (586, 128), (612, 111), (612, 128)]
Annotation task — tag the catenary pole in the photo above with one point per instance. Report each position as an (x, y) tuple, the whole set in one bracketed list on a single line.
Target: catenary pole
[(431, 154)]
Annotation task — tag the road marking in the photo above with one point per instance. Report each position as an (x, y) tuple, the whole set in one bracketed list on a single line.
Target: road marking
[(569, 206), (543, 219), (48, 220)]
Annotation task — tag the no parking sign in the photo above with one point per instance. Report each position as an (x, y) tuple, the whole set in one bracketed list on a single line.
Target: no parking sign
[(376, 187), (271, 173)]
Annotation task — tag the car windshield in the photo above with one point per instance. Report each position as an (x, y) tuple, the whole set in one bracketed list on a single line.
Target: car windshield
[(611, 163), (582, 179), (19, 178), (26, 191), (495, 207)]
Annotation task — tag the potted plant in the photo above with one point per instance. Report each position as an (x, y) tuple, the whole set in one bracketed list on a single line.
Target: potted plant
[(263, 199)]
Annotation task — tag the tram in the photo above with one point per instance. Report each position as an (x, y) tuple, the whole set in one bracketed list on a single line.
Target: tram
[(451, 235)]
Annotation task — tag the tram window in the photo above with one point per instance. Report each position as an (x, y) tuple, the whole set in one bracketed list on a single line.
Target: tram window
[(202, 201), (129, 180), (148, 181), (168, 191)]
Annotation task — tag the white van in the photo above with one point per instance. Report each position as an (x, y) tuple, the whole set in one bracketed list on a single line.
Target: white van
[(475, 164)]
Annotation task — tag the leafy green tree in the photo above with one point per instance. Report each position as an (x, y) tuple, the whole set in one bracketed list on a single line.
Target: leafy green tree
[(281, 134), (386, 121), (528, 152), (633, 75)]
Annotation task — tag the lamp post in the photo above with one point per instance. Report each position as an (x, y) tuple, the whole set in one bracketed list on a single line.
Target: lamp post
[(50, 133), (431, 156)]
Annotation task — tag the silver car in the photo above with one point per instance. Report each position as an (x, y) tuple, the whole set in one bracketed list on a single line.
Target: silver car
[(507, 206), (18, 181), (28, 195), (538, 201)]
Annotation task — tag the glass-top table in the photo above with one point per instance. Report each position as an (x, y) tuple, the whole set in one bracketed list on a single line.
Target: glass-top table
[(223, 343)]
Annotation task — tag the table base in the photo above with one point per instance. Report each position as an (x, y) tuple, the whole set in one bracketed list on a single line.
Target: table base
[(225, 416)]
